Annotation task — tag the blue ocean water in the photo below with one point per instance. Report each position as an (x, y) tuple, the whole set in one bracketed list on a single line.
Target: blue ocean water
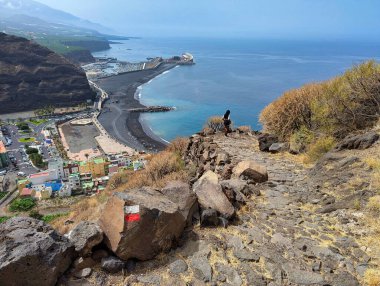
[(242, 75)]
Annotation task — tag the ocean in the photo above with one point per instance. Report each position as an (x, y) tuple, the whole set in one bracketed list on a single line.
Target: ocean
[(242, 75)]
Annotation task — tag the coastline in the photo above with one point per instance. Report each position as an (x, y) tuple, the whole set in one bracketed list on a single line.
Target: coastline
[(125, 126)]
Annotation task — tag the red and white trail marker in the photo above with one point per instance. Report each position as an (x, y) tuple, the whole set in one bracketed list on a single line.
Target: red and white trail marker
[(132, 213)]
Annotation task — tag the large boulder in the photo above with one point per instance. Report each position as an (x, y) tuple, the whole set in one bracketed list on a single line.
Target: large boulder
[(362, 141), (249, 170), (140, 223), (85, 236), (210, 195), (180, 193), (32, 253), (266, 140)]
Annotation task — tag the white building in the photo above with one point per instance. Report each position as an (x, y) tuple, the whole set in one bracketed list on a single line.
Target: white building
[(40, 178), (65, 191), (57, 164), (74, 182)]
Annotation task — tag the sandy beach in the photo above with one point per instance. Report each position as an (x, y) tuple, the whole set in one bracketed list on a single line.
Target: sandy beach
[(115, 117)]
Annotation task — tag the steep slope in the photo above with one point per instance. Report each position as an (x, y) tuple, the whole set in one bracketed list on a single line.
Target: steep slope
[(46, 13), (32, 77)]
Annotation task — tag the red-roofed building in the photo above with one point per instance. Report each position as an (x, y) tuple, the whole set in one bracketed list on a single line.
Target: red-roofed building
[(43, 177), (26, 192)]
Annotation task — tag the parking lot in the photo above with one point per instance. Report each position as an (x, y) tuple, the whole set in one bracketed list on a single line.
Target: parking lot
[(16, 150)]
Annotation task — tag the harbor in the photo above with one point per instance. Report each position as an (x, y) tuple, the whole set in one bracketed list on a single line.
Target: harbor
[(119, 108)]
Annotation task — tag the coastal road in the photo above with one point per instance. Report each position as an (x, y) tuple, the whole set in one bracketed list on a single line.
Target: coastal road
[(115, 117)]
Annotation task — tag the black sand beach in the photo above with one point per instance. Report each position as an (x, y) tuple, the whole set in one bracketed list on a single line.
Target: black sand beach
[(115, 117)]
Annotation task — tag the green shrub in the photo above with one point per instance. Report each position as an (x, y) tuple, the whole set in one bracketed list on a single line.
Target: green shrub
[(3, 194), (22, 205), (51, 217), (23, 126), (31, 151), (320, 147), (35, 214), (4, 218), (37, 160), (301, 139)]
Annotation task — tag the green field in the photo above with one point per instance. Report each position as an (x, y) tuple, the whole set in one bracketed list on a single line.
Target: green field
[(37, 121), (27, 140)]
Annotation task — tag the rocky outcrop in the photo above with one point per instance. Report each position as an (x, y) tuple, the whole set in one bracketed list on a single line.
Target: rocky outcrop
[(32, 253), (210, 195), (33, 77), (180, 194), (266, 141), (141, 223), (249, 170), (362, 141), (80, 57), (85, 236)]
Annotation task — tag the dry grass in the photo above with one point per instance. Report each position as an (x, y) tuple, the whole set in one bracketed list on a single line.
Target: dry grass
[(179, 146), (245, 129), (215, 123), (319, 148), (162, 168), (374, 165), (373, 206), (87, 209), (372, 277)]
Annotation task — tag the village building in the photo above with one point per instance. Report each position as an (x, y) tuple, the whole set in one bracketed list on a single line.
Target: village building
[(40, 178), (98, 167), (74, 182), (70, 168), (21, 184), (57, 164), (26, 193)]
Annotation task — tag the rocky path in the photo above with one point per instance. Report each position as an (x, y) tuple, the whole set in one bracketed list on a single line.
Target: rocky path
[(282, 235), (281, 232)]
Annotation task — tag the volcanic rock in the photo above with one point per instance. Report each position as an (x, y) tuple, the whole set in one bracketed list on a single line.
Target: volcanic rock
[(210, 195), (85, 236), (249, 170), (362, 141), (141, 223), (32, 253)]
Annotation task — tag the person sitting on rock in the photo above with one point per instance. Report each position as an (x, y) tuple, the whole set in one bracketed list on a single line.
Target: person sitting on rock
[(227, 123)]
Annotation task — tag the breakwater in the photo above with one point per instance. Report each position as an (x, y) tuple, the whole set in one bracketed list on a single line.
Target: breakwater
[(152, 109)]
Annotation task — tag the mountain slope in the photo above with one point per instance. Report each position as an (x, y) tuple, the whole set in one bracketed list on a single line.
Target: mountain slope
[(32, 77), (44, 12)]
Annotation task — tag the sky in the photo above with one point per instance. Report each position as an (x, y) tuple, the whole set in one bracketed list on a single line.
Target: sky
[(325, 19)]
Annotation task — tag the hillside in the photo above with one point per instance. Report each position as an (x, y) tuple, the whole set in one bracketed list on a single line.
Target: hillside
[(33, 8), (242, 209), (32, 77)]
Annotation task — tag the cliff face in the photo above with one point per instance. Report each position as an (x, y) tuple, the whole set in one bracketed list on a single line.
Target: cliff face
[(80, 57), (32, 77)]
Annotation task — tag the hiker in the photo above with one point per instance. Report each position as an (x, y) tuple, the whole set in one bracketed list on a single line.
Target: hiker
[(227, 123)]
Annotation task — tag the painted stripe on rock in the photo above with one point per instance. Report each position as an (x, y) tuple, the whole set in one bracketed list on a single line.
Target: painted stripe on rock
[(132, 209), (132, 217)]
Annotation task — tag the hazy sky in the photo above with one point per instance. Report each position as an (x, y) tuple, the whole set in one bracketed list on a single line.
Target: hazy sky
[(240, 18)]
